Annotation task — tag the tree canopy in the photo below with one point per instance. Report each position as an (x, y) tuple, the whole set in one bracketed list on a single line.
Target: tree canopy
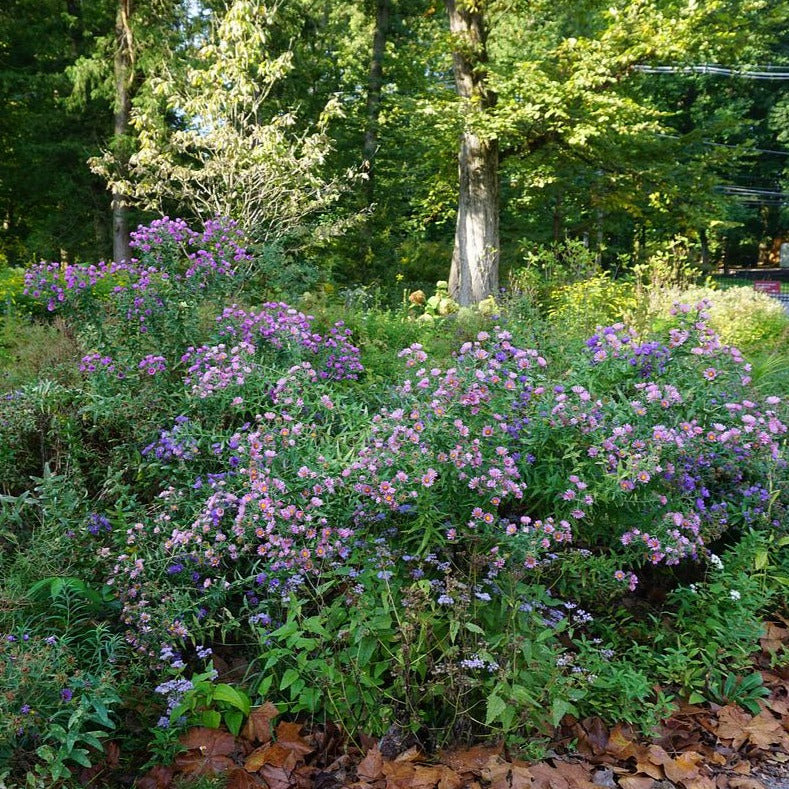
[(492, 126)]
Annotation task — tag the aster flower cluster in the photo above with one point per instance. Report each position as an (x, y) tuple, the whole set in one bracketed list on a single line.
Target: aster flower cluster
[(271, 334), (277, 326), (489, 451), (174, 261), (174, 443)]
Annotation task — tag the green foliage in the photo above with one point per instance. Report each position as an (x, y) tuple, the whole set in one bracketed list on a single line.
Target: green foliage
[(212, 704), (596, 301), (741, 316), (30, 350), (233, 154), (743, 691), (147, 523), (61, 682), (12, 283), (77, 740), (383, 652)]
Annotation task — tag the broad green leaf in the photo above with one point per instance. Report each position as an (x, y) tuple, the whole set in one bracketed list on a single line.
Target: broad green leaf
[(210, 718), (231, 696), (233, 720), (473, 628), (495, 709), (288, 678)]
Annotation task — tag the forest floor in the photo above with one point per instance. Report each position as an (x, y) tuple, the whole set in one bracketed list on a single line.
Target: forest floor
[(699, 747)]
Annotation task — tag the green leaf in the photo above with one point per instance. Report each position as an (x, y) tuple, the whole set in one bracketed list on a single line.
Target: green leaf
[(231, 696), (365, 652), (296, 688), (472, 628), (288, 678), (80, 756), (209, 718), (314, 625), (46, 752), (751, 681), (233, 721), (310, 698), (288, 629), (91, 738), (560, 708), (302, 643), (495, 709), (265, 686), (102, 713)]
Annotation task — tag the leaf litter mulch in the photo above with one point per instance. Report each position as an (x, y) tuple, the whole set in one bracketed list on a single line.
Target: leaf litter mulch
[(698, 747)]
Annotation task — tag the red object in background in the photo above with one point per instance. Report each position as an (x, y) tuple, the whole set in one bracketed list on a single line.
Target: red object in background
[(767, 286)]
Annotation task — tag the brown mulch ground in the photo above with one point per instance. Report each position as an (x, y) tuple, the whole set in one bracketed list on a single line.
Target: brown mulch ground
[(698, 747)]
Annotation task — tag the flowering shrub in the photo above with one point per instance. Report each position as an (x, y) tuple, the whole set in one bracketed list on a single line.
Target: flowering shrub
[(473, 490), (440, 550), (147, 303), (740, 315), (273, 333), (170, 253)]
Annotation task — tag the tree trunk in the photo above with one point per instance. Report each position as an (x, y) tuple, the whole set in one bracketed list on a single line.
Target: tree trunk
[(474, 274), (705, 250), (374, 83), (124, 53)]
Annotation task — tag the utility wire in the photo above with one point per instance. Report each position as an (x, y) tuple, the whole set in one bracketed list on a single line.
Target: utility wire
[(743, 147), (746, 190), (723, 71)]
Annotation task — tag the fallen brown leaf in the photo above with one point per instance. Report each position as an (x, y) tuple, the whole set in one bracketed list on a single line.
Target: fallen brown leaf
[(732, 722), (241, 779), (471, 760), (208, 751), (765, 730), (646, 765), (289, 735), (276, 777), (451, 780), (258, 727), (272, 753), (700, 782), (621, 744), (735, 782), (774, 637), (577, 774), (595, 735), (636, 782), (399, 775), (411, 755), (496, 772), (370, 767), (157, 778), (546, 777), (684, 768)]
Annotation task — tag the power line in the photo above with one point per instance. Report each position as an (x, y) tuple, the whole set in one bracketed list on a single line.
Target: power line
[(747, 190), (753, 196), (744, 148), (724, 71)]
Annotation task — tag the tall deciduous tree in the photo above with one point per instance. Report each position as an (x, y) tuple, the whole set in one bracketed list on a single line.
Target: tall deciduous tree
[(375, 82), (50, 204), (559, 76), (124, 77), (475, 258), (231, 151)]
